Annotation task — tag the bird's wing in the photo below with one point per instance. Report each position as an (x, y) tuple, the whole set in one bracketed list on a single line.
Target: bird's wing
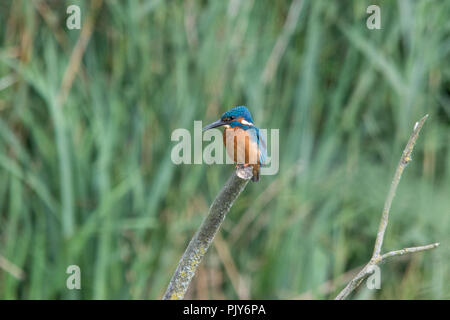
[(256, 136)]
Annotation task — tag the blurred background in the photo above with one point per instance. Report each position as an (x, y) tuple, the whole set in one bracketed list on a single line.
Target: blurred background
[(86, 176)]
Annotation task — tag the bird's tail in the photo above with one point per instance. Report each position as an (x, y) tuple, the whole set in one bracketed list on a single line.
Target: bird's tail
[(255, 177)]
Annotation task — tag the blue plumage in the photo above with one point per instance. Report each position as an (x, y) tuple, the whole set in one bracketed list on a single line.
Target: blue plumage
[(262, 147), (237, 112)]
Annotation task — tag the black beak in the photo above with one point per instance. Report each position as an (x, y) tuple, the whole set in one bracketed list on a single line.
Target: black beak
[(215, 124)]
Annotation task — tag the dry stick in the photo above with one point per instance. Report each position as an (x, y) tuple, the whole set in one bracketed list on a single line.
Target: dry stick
[(205, 234), (376, 256)]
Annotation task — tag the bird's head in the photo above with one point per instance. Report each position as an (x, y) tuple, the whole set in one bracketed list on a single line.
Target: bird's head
[(236, 117)]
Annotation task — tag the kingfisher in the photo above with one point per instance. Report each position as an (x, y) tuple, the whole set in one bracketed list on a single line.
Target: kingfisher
[(242, 139)]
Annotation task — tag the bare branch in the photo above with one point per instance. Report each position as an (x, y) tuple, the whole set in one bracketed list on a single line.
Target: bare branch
[(376, 256), (404, 160), (407, 250), (205, 234)]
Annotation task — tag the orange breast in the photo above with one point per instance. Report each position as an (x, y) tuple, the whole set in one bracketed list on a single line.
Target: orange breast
[(240, 147)]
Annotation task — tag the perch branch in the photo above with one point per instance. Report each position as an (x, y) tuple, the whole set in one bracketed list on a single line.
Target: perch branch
[(205, 234), (376, 256)]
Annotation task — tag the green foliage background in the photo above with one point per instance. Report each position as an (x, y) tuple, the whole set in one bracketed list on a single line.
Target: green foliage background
[(88, 180)]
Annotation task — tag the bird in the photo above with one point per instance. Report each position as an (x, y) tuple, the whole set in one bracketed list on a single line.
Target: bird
[(242, 139)]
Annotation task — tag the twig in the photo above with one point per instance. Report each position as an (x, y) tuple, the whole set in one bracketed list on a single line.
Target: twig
[(407, 250), (204, 236), (376, 256)]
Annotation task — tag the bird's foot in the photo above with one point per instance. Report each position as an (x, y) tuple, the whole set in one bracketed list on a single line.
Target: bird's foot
[(244, 171)]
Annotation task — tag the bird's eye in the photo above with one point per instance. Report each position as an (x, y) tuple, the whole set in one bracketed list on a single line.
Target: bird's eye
[(232, 117)]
